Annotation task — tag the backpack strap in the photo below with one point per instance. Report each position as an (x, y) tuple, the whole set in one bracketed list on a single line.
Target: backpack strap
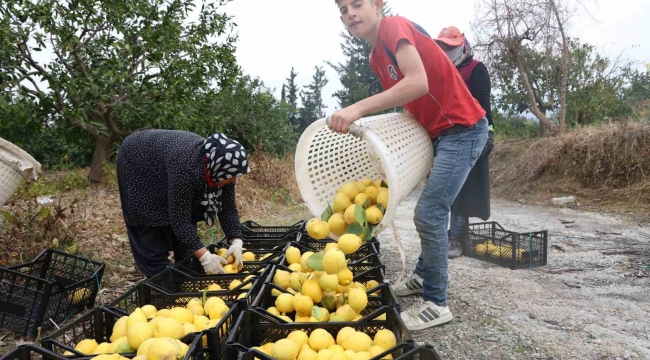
[(390, 54)]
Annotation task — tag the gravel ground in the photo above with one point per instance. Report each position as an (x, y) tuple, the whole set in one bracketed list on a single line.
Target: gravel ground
[(584, 304)]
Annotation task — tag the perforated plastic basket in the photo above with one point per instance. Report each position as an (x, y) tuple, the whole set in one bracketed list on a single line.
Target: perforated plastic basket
[(15, 166), (390, 146)]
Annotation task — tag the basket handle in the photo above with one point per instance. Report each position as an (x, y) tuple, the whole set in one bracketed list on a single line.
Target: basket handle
[(354, 129)]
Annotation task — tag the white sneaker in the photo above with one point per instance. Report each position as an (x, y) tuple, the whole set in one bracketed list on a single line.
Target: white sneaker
[(426, 315), (411, 286)]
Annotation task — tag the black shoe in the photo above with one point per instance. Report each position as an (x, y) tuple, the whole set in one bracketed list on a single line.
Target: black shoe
[(455, 247)]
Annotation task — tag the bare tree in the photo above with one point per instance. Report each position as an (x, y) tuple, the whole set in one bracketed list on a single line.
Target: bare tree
[(505, 28)]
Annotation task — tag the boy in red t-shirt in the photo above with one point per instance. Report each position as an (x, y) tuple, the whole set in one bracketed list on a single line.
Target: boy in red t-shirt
[(417, 74)]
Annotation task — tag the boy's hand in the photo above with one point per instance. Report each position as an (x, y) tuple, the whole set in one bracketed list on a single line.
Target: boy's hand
[(342, 119)]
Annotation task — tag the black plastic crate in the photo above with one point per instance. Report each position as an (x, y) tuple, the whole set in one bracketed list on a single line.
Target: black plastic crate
[(172, 281), (252, 229), (256, 328), (516, 250), (31, 352), (304, 237), (215, 339), (98, 324), (48, 290), (367, 253)]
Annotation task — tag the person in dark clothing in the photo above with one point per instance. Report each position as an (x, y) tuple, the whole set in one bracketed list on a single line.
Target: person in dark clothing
[(171, 180), (474, 197)]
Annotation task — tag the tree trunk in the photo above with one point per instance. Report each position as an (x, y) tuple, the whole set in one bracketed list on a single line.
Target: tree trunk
[(543, 120), (103, 146)]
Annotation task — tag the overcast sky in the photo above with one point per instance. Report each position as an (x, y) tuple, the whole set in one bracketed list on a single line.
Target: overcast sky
[(275, 35)]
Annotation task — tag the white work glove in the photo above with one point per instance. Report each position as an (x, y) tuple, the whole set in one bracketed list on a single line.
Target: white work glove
[(235, 250), (212, 263)]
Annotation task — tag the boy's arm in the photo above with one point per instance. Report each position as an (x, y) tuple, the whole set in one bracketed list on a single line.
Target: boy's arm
[(414, 85)]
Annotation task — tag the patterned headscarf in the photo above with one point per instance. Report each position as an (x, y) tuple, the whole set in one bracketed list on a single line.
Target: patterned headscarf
[(225, 158)]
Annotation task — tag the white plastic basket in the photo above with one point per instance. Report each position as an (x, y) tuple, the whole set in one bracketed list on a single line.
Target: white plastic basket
[(391, 146), (15, 166)]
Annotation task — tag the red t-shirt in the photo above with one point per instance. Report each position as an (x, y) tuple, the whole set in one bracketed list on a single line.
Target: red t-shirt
[(448, 102)]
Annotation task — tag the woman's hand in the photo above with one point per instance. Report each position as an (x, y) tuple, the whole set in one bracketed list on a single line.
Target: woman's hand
[(342, 119), (235, 249), (212, 263)]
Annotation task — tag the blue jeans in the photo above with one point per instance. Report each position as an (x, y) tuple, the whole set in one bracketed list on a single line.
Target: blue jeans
[(455, 155)]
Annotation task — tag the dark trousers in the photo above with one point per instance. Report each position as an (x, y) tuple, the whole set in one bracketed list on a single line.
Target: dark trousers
[(150, 245)]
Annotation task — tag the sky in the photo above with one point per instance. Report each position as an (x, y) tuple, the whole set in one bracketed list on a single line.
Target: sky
[(275, 35)]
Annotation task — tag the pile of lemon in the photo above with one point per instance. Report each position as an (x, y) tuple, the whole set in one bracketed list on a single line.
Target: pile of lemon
[(340, 218), (155, 334), (320, 344)]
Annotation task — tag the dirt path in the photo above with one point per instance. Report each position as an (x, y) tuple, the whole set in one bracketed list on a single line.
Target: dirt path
[(582, 305)]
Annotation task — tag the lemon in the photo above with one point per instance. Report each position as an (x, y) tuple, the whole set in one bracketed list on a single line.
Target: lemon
[(296, 267), (350, 189), (273, 310), (234, 284), (357, 341), (119, 329), (338, 226), (374, 215), (372, 284), (385, 338), (381, 317), (330, 246), (181, 315), (121, 343), (324, 315), (320, 230), (86, 346), (284, 303), (303, 261), (136, 316), (372, 193), (201, 322), (285, 349), (124, 348), (382, 198), (168, 327), (346, 312), (163, 349), (341, 202), (285, 318), (329, 282), (333, 261), (293, 255), (345, 276), (282, 279), (363, 355), (361, 199), (360, 186), (248, 256), (102, 348), (144, 347), (303, 319), (299, 337), (358, 299), (376, 350), (296, 279), (343, 334), (307, 353), (348, 216), (184, 348), (163, 313), (210, 302), (349, 243), (138, 333), (311, 223), (149, 311), (218, 311), (188, 328), (312, 289), (303, 305), (229, 269), (320, 339), (324, 354), (367, 182), (268, 348)]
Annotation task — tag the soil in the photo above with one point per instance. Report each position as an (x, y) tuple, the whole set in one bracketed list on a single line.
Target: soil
[(591, 300)]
